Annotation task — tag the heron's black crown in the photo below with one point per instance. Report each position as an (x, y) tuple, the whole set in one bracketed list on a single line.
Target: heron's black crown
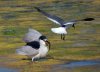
[(42, 37)]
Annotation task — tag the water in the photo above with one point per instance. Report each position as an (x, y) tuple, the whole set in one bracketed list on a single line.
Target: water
[(78, 66), (80, 63), (7, 70)]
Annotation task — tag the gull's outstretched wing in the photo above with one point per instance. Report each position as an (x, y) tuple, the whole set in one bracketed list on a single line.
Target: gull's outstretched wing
[(31, 35), (27, 50), (73, 22), (51, 17), (70, 24)]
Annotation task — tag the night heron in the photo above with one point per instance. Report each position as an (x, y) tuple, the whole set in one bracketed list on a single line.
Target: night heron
[(36, 45)]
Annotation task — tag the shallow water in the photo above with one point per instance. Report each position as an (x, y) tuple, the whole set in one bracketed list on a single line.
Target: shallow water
[(2, 69), (78, 66), (80, 63)]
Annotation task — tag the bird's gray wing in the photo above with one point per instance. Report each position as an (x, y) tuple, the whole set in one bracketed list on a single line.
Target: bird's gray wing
[(70, 23), (31, 35), (27, 50), (73, 22), (53, 18)]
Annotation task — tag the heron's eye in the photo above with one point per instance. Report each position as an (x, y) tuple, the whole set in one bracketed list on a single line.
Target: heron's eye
[(45, 39)]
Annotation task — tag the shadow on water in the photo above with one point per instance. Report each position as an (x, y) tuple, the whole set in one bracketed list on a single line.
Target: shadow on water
[(85, 65), (2, 69)]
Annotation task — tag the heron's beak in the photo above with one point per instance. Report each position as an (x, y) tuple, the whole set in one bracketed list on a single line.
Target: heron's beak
[(48, 44), (73, 26)]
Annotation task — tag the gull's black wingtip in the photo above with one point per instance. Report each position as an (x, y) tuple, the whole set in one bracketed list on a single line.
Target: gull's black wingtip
[(88, 19)]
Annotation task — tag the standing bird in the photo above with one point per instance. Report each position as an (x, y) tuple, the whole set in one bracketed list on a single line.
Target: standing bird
[(36, 45), (63, 25)]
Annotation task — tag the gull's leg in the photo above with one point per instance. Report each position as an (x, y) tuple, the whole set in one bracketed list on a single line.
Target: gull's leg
[(61, 36)]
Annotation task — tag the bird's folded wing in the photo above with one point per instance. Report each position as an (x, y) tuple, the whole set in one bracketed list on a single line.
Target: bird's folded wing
[(27, 50), (31, 35)]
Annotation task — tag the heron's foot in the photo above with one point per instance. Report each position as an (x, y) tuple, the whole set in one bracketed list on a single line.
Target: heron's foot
[(50, 57), (33, 59)]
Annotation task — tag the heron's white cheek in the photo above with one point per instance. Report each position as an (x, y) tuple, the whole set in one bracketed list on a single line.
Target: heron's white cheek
[(42, 43)]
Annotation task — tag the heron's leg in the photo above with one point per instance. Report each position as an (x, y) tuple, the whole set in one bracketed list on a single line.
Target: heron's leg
[(36, 57), (33, 59)]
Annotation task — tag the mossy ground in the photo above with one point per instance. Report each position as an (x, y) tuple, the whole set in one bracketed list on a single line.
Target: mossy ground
[(82, 43)]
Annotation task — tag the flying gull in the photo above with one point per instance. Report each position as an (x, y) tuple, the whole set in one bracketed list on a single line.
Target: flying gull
[(63, 25)]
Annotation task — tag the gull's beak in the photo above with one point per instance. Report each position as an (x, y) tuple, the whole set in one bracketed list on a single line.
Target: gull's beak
[(73, 26), (48, 44)]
